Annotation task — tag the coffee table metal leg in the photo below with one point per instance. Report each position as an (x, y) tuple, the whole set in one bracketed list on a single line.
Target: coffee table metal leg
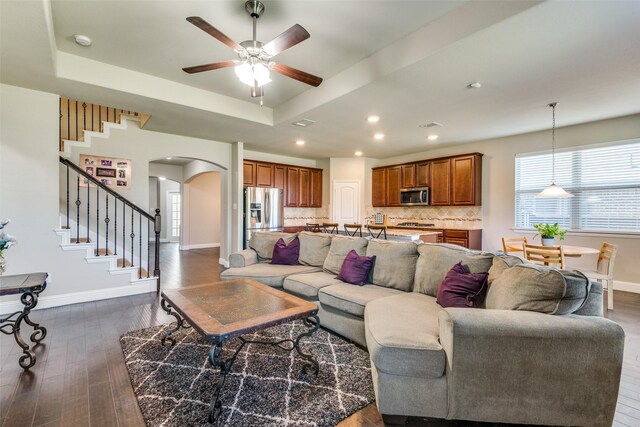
[(180, 323), (311, 361), (225, 367), (12, 327)]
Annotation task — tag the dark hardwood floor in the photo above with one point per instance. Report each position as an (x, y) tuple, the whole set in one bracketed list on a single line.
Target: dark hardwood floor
[(80, 378)]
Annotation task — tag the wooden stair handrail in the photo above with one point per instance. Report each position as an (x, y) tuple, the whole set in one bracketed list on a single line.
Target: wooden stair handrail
[(97, 183)]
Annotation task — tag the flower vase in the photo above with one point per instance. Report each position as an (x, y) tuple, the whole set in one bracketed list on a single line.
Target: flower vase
[(547, 241), (3, 264)]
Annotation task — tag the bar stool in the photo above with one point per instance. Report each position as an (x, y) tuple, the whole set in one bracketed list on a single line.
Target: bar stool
[(352, 229), (381, 230), (315, 228), (330, 227)]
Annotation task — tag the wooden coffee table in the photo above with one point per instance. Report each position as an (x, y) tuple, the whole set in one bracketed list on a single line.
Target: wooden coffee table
[(229, 309)]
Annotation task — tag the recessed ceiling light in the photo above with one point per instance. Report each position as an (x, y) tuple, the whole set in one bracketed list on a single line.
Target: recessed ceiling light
[(474, 85), (82, 40), (373, 119), (168, 158), (358, 153), (300, 142), (161, 178), (379, 136), (432, 137)]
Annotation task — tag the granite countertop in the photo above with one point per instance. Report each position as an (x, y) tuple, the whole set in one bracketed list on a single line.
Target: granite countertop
[(457, 227)]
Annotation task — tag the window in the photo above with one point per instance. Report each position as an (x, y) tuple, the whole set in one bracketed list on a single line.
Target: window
[(175, 214), (605, 182)]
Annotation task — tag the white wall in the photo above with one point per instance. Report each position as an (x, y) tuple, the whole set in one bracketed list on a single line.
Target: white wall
[(29, 169), (498, 184), (202, 211)]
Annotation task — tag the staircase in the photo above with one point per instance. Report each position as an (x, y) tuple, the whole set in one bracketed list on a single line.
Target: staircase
[(109, 228)]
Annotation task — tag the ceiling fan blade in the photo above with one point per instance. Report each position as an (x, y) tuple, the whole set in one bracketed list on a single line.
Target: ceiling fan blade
[(257, 91), (209, 67), (284, 41), (299, 75), (211, 30)]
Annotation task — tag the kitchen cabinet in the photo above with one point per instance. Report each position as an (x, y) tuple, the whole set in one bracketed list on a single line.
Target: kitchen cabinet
[(471, 239), (316, 189), (304, 183), (408, 176), (293, 186), (302, 186), (422, 174), (393, 185), (440, 179), (466, 175), (249, 174), (264, 175), (279, 176), (379, 187)]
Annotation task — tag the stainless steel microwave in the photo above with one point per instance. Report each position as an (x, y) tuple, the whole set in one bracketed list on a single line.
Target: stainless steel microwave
[(414, 196)]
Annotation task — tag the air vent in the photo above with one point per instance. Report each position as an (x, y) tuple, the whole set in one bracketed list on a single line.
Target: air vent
[(304, 123), (431, 125)]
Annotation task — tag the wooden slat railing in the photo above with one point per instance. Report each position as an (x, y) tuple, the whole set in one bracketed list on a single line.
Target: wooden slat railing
[(78, 116)]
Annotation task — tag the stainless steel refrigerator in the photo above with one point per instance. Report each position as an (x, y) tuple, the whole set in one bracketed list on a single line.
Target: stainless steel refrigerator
[(263, 210)]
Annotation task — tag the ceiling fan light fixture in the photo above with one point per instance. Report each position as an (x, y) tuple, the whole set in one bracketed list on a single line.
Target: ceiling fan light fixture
[(252, 74)]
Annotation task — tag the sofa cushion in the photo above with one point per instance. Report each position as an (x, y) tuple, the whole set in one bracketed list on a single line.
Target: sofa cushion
[(436, 259), (355, 268), (307, 285), (263, 242), (402, 335), (352, 299), (270, 274), (284, 254), (462, 289), (538, 288), (501, 263), (395, 264), (340, 247), (314, 248)]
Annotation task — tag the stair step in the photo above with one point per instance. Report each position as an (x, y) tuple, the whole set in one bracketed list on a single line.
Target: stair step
[(80, 240), (127, 263), (104, 252)]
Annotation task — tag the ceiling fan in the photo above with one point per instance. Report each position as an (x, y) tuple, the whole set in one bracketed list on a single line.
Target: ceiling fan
[(254, 58)]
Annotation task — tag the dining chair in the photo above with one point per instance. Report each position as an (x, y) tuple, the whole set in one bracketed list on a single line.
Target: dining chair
[(330, 227), (544, 254), (604, 270), (380, 230), (512, 241), (352, 229), (315, 228)]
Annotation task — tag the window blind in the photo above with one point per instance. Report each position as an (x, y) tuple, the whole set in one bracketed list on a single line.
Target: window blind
[(605, 182)]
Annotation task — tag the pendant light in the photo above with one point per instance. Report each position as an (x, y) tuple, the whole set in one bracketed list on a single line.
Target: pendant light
[(553, 191)]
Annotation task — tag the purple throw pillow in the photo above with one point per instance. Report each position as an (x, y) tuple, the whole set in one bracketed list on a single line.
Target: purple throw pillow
[(460, 288), (355, 268), (286, 255)]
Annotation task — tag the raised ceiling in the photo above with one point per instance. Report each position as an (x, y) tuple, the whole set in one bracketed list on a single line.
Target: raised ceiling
[(406, 61)]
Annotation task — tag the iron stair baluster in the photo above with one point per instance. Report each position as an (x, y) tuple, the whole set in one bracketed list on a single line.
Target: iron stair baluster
[(148, 249), (78, 203), (124, 244), (88, 203), (67, 195), (140, 246), (132, 235), (97, 221), (115, 226), (106, 224)]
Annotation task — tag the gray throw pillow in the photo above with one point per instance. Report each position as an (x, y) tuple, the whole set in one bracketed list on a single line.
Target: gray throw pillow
[(500, 264), (436, 259), (340, 247), (539, 288), (263, 242), (314, 248), (395, 263)]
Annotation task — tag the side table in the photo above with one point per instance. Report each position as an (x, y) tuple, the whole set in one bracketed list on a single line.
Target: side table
[(29, 286)]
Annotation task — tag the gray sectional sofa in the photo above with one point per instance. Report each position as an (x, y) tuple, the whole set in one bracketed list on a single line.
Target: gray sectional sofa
[(539, 352)]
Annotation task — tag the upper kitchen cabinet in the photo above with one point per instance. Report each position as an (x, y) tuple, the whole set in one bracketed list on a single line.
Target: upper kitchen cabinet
[(379, 187), (264, 175), (249, 174), (453, 181), (408, 176), (394, 176), (316, 189), (279, 176), (293, 186), (466, 180), (304, 187)]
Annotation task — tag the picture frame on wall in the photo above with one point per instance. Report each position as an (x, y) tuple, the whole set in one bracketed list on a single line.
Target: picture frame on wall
[(112, 172)]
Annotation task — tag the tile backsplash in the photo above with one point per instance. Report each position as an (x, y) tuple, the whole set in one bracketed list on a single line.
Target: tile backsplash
[(468, 217)]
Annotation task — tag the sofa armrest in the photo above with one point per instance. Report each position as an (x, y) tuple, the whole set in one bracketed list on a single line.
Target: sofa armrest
[(243, 258), (533, 368)]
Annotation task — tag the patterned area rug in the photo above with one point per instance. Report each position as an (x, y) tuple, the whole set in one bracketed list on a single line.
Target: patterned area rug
[(266, 386)]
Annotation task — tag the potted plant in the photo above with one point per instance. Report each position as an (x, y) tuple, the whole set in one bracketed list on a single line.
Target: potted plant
[(547, 233), (6, 241)]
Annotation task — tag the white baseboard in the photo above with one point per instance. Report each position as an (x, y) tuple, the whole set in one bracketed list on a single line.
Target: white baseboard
[(46, 301), (165, 240), (223, 262), (626, 286), (199, 246)]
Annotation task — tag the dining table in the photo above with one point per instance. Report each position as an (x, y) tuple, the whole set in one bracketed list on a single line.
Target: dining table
[(570, 251)]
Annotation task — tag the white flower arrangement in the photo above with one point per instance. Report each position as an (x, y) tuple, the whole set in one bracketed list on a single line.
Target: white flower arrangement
[(6, 240)]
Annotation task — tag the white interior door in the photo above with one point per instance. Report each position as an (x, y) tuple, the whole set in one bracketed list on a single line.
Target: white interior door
[(346, 202), (174, 203)]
